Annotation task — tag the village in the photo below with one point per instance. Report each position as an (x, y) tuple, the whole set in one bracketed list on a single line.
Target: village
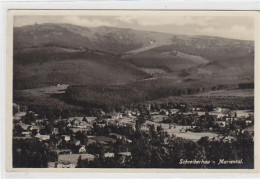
[(110, 135)]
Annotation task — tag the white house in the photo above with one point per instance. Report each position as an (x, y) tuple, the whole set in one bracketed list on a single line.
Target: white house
[(82, 149), (66, 137), (248, 122), (109, 155), (42, 137)]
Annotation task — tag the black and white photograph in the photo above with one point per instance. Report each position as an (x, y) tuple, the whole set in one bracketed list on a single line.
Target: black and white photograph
[(129, 89)]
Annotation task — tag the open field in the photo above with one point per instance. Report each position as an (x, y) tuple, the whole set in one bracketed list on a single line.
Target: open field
[(59, 89), (235, 92), (126, 120), (158, 118), (244, 113), (73, 158), (179, 131), (193, 135)]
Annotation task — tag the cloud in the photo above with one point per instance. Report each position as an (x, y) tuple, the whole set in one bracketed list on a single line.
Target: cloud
[(126, 19), (165, 20), (235, 31), (93, 22), (76, 20), (223, 26)]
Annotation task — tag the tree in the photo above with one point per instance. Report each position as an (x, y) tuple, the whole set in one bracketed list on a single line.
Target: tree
[(82, 137), (34, 132), (159, 129), (85, 119), (31, 153), (29, 117), (17, 131), (79, 163)]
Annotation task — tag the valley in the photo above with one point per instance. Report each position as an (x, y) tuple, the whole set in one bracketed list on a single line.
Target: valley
[(117, 66), (109, 97)]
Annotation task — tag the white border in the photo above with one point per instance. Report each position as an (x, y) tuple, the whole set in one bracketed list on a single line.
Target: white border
[(173, 5), (134, 4)]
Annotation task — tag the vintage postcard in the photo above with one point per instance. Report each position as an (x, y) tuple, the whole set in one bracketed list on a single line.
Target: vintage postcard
[(121, 90)]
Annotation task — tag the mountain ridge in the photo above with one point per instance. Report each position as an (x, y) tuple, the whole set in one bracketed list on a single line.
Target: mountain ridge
[(139, 54), (113, 27)]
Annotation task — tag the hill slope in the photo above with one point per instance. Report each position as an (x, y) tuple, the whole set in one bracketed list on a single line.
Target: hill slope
[(45, 66), (47, 54), (190, 51)]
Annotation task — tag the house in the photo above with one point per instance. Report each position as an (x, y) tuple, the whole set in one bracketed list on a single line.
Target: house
[(138, 113), (75, 118), (82, 149), (40, 120), (217, 114), (232, 114), (125, 153), (101, 125), (235, 119), (66, 137), (42, 137), (218, 109), (102, 113), (216, 138), (109, 155), (250, 130), (229, 119), (199, 109), (18, 116), (117, 136), (144, 127), (187, 113), (174, 111), (55, 131), (148, 107), (25, 126), (228, 139), (154, 113), (76, 142), (69, 125), (128, 140), (164, 111), (221, 124), (33, 113), (248, 122), (66, 165), (117, 116), (36, 127), (26, 137), (128, 113), (134, 113), (124, 156), (80, 124), (26, 133), (201, 113)]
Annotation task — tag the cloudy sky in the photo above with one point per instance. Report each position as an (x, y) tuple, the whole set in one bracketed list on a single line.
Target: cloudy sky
[(236, 27)]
